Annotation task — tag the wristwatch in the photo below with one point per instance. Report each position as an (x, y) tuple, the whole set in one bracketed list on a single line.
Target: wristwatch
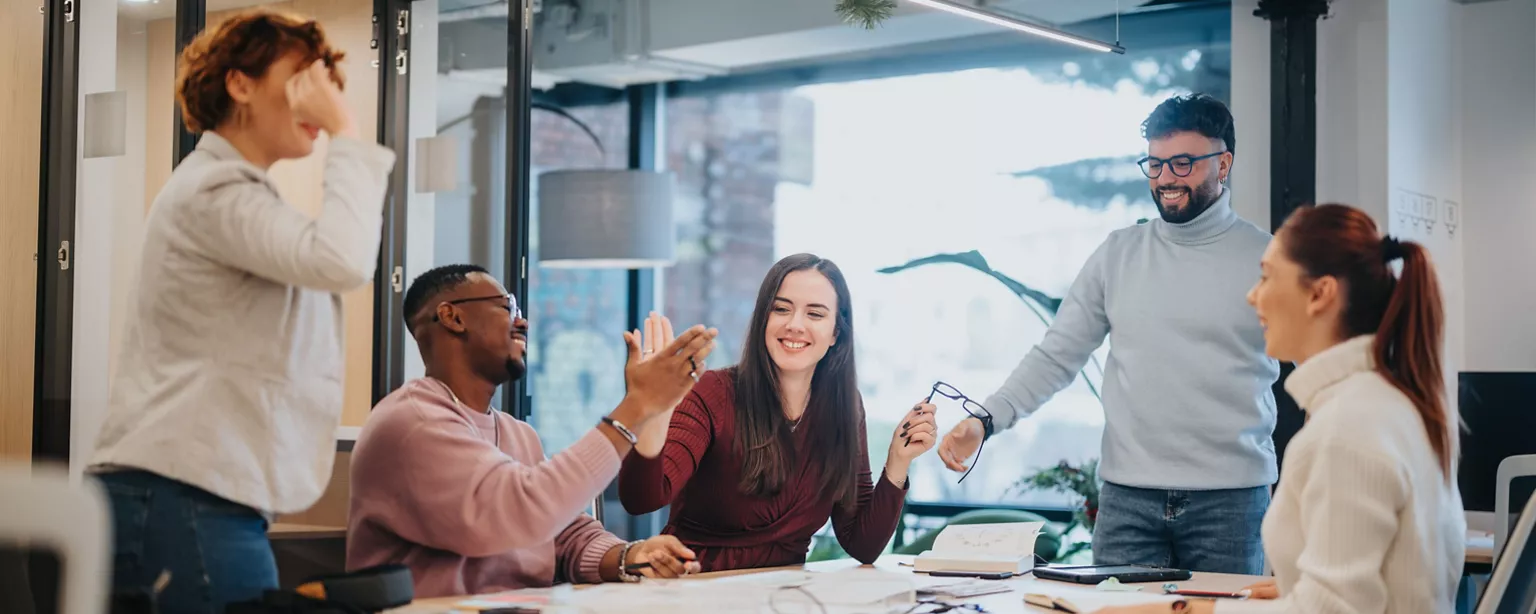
[(987, 431), (623, 430)]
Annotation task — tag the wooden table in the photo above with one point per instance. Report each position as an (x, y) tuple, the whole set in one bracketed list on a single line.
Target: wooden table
[(288, 531), (1086, 597)]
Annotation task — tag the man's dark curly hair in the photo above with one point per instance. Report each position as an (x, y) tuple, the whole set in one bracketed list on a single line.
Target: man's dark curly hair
[(1192, 113)]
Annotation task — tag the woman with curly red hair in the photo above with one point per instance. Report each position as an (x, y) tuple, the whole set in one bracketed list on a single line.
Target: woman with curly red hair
[(223, 410)]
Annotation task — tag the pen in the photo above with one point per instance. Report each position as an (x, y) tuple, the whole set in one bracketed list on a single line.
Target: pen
[(634, 567), (1242, 594)]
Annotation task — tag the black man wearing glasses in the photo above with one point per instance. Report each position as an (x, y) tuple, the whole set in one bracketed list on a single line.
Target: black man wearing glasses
[(1187, 455)]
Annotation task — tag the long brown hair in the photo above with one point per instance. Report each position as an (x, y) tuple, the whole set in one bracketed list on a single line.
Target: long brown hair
[(762, 432), (1404, 311)]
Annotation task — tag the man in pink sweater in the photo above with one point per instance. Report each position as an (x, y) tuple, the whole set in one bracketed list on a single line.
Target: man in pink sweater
[(463, 494)]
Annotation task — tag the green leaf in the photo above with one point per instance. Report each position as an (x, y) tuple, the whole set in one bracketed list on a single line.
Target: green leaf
[(974, 260), (865, 13)]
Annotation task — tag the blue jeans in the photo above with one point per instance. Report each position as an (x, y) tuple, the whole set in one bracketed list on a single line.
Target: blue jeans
[(215, 550), (1198, 530)]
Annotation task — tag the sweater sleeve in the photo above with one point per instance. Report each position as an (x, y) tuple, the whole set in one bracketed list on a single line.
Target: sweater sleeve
[(865, 529), (648, 484), (1080, 327), (1350, 500), (579, 550), (239, 221), (457, 492)]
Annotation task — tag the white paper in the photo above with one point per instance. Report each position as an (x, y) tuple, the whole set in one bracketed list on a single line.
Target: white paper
[(1012, 539)]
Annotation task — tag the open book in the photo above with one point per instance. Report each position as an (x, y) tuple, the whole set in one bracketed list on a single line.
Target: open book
[(994, 548)]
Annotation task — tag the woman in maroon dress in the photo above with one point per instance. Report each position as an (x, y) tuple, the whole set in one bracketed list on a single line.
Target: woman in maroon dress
[(759, 456)]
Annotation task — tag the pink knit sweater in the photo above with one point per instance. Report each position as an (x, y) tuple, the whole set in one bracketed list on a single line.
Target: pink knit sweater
[(433, 490)]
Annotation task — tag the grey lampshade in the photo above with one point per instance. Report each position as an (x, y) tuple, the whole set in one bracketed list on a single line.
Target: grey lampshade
[(606, 219)]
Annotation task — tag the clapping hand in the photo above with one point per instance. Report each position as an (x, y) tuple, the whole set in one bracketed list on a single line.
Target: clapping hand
[(656, 383), (658, 334)]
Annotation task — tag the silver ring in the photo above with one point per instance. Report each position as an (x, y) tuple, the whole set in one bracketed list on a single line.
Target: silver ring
[(694, 375), (647, 352)]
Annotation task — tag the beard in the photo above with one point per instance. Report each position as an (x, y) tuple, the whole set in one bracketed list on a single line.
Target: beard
[(516, 368), (1199, 199)]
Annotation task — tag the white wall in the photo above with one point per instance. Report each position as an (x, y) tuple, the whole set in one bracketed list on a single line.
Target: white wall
[(95, 198), (1498, 130), (1250, 110), (1424, 143), (1352, 106), (1427, 119), (128, 204)]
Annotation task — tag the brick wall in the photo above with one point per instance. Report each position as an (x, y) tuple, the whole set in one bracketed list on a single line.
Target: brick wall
[(726, 151)]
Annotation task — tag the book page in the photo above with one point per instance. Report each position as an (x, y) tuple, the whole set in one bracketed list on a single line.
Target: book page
[(1015, 539)]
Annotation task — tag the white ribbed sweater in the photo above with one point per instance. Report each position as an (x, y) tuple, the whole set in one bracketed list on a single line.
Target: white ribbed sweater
[(1364, 521)]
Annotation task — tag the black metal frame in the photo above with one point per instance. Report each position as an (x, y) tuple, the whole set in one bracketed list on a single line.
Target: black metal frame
[(645, 130), (1293, 148), (53, 354), (191, 17), (519, 158), (389, 334)]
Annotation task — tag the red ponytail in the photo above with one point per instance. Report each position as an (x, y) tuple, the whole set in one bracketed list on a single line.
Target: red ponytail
[(1404, 312), (1408, 346)]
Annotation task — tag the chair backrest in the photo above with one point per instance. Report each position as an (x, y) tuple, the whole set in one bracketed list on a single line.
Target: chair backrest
[(44, 510), (1512, 586), (1515, 482)]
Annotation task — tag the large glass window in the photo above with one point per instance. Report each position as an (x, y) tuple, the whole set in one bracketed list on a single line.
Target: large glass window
[(1030, 166), (576, 317)]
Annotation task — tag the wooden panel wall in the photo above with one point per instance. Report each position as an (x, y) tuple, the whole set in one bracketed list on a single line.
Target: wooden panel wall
[(21, 103)]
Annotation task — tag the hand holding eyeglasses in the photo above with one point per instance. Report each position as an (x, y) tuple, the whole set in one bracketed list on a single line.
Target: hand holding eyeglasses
[(968, 437), (916, 434)]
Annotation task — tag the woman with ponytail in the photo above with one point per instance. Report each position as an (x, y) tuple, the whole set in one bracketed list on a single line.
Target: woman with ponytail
[(1367, 518)]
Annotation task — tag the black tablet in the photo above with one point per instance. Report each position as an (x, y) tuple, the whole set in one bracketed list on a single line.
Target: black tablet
[(1094, 574)]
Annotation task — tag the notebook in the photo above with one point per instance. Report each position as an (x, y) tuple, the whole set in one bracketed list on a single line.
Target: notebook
[(992, 548)]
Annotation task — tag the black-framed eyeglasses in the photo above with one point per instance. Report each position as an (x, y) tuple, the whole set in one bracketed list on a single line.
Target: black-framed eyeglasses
[(971, 407), (1181, 165), (938, 606), (511, 306)]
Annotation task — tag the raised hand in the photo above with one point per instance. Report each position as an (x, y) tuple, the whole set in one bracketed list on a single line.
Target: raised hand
[(658, 334), (317, 101), (657, 384)]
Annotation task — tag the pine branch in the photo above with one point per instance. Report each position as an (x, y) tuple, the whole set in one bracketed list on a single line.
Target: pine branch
[(865, 13)]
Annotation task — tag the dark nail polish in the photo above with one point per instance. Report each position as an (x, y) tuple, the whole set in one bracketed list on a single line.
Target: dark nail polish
[(906, 425)]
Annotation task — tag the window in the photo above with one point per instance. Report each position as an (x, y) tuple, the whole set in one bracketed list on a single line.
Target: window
[(1031, 166), (576, 317)]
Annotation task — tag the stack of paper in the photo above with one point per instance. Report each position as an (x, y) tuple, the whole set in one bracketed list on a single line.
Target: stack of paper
[(1000, 547)]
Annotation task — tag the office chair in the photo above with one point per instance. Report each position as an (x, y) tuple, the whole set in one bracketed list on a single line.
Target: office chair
[(1512, 587), (44, 510), (1510, 469)]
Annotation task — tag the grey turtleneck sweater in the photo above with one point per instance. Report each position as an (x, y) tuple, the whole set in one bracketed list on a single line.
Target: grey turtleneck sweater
[(1187, 399)]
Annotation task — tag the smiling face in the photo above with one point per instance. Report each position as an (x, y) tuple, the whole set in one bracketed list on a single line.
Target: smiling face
[(1182, 199), (490, 325), (1300, 315), (802, 322)]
